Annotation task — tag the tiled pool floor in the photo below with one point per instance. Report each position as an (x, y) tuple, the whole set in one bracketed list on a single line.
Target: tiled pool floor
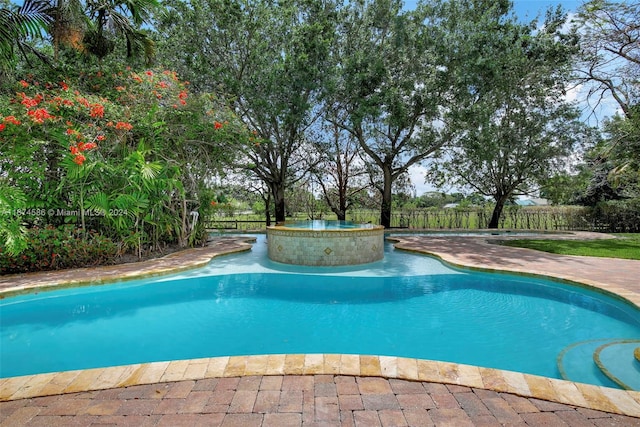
[(327, 390)]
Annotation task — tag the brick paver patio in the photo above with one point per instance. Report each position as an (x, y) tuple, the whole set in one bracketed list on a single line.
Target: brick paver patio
[(287, 401)]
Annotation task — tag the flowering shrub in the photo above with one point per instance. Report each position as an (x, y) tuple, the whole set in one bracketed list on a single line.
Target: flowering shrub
[(41, 113), (131, 147)]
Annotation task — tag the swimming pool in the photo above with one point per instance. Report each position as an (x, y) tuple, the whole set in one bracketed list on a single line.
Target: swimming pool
[(405, 305)]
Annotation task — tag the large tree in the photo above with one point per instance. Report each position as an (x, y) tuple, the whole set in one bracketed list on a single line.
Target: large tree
[(340, 172), (518, 127), (270, 57), (610, 52), (610, 69), (389, 86)]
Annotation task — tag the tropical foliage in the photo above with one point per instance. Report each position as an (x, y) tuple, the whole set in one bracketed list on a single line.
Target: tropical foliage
[(129, 163)]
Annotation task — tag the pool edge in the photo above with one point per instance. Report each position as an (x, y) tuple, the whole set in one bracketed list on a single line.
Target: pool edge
[(594, 397)]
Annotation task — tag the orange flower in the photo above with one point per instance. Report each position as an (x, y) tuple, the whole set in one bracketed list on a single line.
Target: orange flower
[(124, 125), (29, 102), (79, 159), (97, 110), (217, 125), (12, 120), (24, 84), (2, 127), (39, 115)]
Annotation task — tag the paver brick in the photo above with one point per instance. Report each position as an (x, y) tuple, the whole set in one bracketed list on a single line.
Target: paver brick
[(144, 391), (573, 418), (366, 419), (350, 402), (267, 401), (326, 409), (392, 418), (243, 401), (445, 401), (67, 407), (449, 417), (376, 402), (423, 401), (242, 420), (472, 404), (297, 382), (102, 407), (169, 406), (290, 401), (519, 404), (417, 417), (21, 416), (544, 419), (502, 411), (229, 383), (406, 387), (180, 390), (374, 385), (344, 386), (282, 420), (191, 420), (206, 384), (271, 383), (547, 406), (325, 389), (249, 383)]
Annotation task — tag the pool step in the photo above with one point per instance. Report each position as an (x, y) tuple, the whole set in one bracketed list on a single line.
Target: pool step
[(605, 362), (575, 363), (617, 361)]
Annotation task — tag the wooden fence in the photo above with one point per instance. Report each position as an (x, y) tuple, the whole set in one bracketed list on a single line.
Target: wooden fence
[(552, 218)]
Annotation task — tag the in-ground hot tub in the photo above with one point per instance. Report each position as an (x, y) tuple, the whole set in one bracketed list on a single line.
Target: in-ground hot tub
[(329, 243)]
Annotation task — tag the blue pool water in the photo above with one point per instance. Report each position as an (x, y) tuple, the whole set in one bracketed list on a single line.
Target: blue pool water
[(320, 224), (405, 305)]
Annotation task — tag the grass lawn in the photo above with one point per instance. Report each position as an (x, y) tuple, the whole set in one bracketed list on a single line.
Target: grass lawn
[(626, 245)]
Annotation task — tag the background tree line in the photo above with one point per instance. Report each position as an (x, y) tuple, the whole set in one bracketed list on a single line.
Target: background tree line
[(276, 94)]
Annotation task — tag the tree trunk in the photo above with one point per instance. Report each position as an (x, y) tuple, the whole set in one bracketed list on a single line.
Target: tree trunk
[(267, 209), (278, 199), (497, 211), (385, 208)]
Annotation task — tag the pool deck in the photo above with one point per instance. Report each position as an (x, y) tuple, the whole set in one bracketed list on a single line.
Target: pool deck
[(330, 389)]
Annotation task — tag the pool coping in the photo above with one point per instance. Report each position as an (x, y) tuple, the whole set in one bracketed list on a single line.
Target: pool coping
[(567, 392)]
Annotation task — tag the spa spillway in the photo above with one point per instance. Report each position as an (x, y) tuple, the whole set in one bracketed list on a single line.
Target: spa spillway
[(325, 243)]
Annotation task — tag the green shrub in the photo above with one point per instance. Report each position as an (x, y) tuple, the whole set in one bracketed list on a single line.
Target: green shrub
[(617, 216), (53, 248)]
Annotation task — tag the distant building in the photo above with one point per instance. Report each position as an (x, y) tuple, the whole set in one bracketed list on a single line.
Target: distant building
[(533, 202)]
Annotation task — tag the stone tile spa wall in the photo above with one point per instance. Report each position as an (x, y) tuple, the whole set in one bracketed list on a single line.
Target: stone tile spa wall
[(325, 247)]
